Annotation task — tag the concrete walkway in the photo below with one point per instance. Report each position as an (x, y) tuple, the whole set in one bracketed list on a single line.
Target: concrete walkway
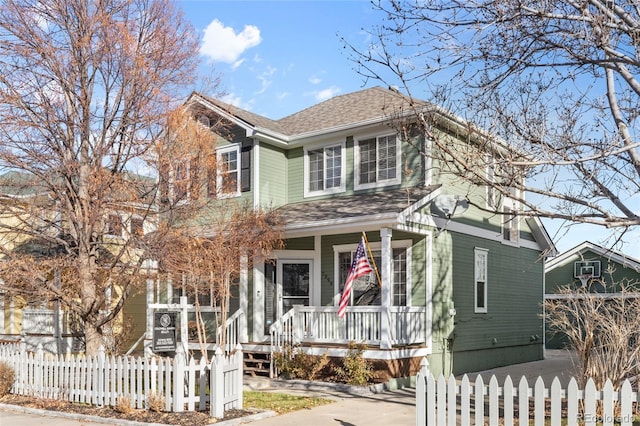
[(556, 363), (386, 408)]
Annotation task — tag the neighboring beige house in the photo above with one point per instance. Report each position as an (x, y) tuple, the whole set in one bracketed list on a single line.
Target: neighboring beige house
[(37, 321)]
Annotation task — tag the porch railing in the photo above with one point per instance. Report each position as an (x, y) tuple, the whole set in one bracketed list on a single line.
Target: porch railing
[(234, 327), (321, 324), (43, 321)]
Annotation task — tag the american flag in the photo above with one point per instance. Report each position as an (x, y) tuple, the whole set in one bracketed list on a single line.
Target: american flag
[(359, 267)]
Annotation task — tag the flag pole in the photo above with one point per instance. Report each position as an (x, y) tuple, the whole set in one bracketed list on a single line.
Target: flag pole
[(373, 260)]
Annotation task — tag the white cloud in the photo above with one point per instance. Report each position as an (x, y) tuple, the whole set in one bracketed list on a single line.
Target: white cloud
[(265, 78), (315, 80), (223, 44), (323, 95)]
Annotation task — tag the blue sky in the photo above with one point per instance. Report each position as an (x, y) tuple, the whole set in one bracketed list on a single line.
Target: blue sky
[(275, 58), (278, 57)]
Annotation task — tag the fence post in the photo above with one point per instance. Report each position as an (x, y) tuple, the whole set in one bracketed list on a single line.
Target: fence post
[(239, 375), (216, 385), (100, 391), (178, 381), (38, 365), (421, 418)]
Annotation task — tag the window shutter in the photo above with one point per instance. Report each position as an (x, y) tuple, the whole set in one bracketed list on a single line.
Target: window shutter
[(245, 168), (194, 177), (212, 177)]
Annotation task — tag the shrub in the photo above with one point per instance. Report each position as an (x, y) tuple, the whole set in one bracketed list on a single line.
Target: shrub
[(7, 377), (123, 405), (155, 402), (355, 369), (293, 363)]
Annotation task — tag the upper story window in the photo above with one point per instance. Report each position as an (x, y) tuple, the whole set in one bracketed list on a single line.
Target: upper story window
[(324, 170), (228, 171), (510, 222), (118, 226), (136, 227), (377, 162), (114, 225), (184, 181), (491, 179), (232, 174)]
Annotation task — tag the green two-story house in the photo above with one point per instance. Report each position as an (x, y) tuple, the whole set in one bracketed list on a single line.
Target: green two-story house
[(459, 286)]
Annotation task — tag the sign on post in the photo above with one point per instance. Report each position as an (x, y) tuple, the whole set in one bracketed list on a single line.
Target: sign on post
[(164, 331)]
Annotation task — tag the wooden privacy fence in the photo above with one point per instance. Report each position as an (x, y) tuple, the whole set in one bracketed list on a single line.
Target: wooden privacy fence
[(105, 380), (449, 402)]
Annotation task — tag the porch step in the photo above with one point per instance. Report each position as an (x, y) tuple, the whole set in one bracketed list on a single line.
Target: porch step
[(257, 364)]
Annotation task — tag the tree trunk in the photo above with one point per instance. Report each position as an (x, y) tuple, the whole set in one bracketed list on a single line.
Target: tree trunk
[(93, 338)]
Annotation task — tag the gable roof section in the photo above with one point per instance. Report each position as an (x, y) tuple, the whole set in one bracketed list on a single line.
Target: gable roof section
[(620, 258), (369, 106), (379, 207)]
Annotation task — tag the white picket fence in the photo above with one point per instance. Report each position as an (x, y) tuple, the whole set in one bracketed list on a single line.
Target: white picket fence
[(104, 380), (449, 402)]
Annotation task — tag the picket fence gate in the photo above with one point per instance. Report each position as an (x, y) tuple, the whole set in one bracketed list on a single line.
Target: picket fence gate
[(448, 402), (105, 380)]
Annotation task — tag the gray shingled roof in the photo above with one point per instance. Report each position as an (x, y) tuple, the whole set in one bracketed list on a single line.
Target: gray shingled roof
[(351, 207), (352, 108)]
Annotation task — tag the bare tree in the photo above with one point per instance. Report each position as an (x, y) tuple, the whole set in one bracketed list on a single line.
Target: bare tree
[(86, 88), (208, 261), (555, 82), (602, 328), (205, 239)]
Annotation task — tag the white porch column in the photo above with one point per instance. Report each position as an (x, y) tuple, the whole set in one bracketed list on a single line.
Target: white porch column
[(2, 297), (385, 296), (257, 313), (244, 298)]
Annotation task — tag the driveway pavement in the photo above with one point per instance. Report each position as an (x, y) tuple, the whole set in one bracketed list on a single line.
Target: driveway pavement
[(387, 408)]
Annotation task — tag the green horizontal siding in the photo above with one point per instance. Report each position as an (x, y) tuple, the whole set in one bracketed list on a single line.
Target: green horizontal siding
[(514, 298)]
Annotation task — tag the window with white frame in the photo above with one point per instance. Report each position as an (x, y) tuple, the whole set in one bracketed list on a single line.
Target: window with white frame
[(228, 182), (181, 180), (366, 290), (510, 222), (114, 225), (324, 170), (481, 257), (491, 176), (377, 162)]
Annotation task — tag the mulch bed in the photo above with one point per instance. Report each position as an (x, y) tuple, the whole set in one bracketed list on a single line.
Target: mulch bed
[(186, 418)]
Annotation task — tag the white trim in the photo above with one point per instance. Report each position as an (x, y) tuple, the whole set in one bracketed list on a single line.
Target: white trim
[(428, 162), (605, 296), (428, 291), (514, 219), (219, 184), (356, 163), (256, 175), (490, 193), (480, 252), (343, 162), (257, 314), (315, 292), (566, 257), (465, 229)]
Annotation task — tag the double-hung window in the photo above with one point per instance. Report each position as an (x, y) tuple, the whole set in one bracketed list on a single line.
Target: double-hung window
[(377, 162), (324, 170), (510, 222), (367, 290), (480, 258), (228, 167)]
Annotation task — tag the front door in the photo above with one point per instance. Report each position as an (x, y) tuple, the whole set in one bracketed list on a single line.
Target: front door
[(287, 283)]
